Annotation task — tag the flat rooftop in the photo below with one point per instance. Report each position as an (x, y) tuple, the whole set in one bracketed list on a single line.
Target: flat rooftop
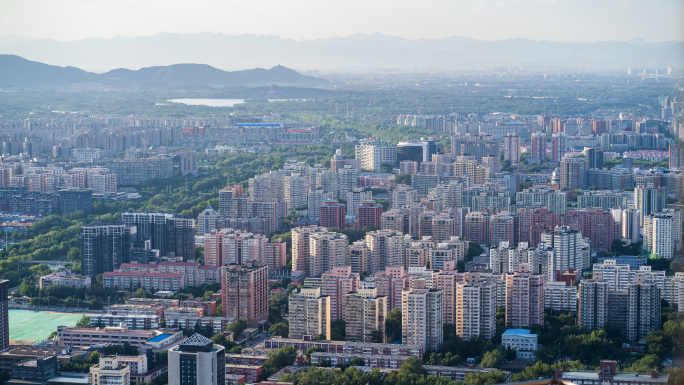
[(160, 338)]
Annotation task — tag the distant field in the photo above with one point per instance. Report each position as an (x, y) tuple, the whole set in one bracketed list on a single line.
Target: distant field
[(27, 325)]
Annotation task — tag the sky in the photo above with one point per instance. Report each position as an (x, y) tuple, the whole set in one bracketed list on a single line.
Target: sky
[(554, 20)]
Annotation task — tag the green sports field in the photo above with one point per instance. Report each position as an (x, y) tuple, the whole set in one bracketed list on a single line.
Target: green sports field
[(28, 325)]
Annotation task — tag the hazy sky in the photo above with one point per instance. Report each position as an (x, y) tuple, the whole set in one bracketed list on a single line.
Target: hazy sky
[(556, 20)]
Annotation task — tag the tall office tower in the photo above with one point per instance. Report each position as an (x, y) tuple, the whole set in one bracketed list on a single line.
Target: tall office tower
[(418, 152), (644, 310), (408, 167), (475, 308), (300, 246), (568, 246), (630, 224), (676, 157), (594, 157), (207, 220), (524, 298), (593, 304), (421, 318), (661, 231), (395, 219), (511, 148), (501, 228), (402, 196), (326, 251), (477, 227), (479, 146), (109, 371), (539, 146), (332, 214), (244, 292), (309, 314), (358, 256), (4, 314), (166, 232), (338, 162), (391, 283), (598, 127), (296, 188), (573, 172), (329, 183), (559, 146), (649, 200), (369, 215), (373, 156), (348, 177), (180, 238), (197, 361), (104, 247), (386, 249), (366, 312), (354, 199), (337, 283), (316, 199), (75, 199)]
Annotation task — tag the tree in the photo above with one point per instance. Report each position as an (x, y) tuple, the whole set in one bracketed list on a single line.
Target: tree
[(403, 179), (27, 287), (493, 358), (488, 378), (393, 325), (377, 337), (237, 327), (278, 359), (281, 329), (84, 322), (220, 339), (313, 349), (338, 330), (474, 249)]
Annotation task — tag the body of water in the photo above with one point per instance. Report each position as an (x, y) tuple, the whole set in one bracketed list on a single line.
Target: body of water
[(221, 102), (29, 325)]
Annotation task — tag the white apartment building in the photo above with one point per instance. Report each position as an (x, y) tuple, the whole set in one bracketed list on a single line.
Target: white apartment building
[(422, 318), (110, 371), (560, 297), (521, 340)]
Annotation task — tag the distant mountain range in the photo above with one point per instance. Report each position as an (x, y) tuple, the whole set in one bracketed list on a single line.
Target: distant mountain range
[(19, 72), (357, 52)]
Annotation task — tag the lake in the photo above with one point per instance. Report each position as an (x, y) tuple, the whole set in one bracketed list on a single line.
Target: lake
[(28, 325), (221, 102)]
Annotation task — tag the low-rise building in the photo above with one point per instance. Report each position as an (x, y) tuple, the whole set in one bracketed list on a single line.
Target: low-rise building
[(521, 340), (252, 373), (607, 375), (38, 369), (108, 335), (454, 373), (64, 277), (133, 321), (109, 372)]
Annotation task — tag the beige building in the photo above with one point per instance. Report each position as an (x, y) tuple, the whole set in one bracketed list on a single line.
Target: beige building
[(421, 318), (106, 335), (109, 372), (475, 308), (309, 314), (300, 246), (365, 314)]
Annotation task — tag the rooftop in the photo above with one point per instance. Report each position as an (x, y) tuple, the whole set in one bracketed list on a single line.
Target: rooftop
[(518, 332)]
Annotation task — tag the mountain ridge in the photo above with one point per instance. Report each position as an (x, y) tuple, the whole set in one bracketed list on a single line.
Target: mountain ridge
[(16, 71)]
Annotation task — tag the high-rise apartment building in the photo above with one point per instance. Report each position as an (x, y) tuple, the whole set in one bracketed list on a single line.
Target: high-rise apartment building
[(644, 310), (166, 232), (478, 146), (75, 199), (593, 304), (662, 233), (327, 250), (568, 248), (300, 246), (244, 292), (511, 148), (354, 199), (676, 156), (573, 172), (475, 308), (386, 248), (524, 298), (197, 361), (365, 315), (338, 162), (649, 200), (207, 220), (348, 179), (369, 214), (4, 314), (373, 156), (332, 214), (559, 146), (337, 283), (104, 247), (421, 316), (391, 283), (358, 256), (316, 199), (402, 196), (309, 314), (560, 297), (538, 146)]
